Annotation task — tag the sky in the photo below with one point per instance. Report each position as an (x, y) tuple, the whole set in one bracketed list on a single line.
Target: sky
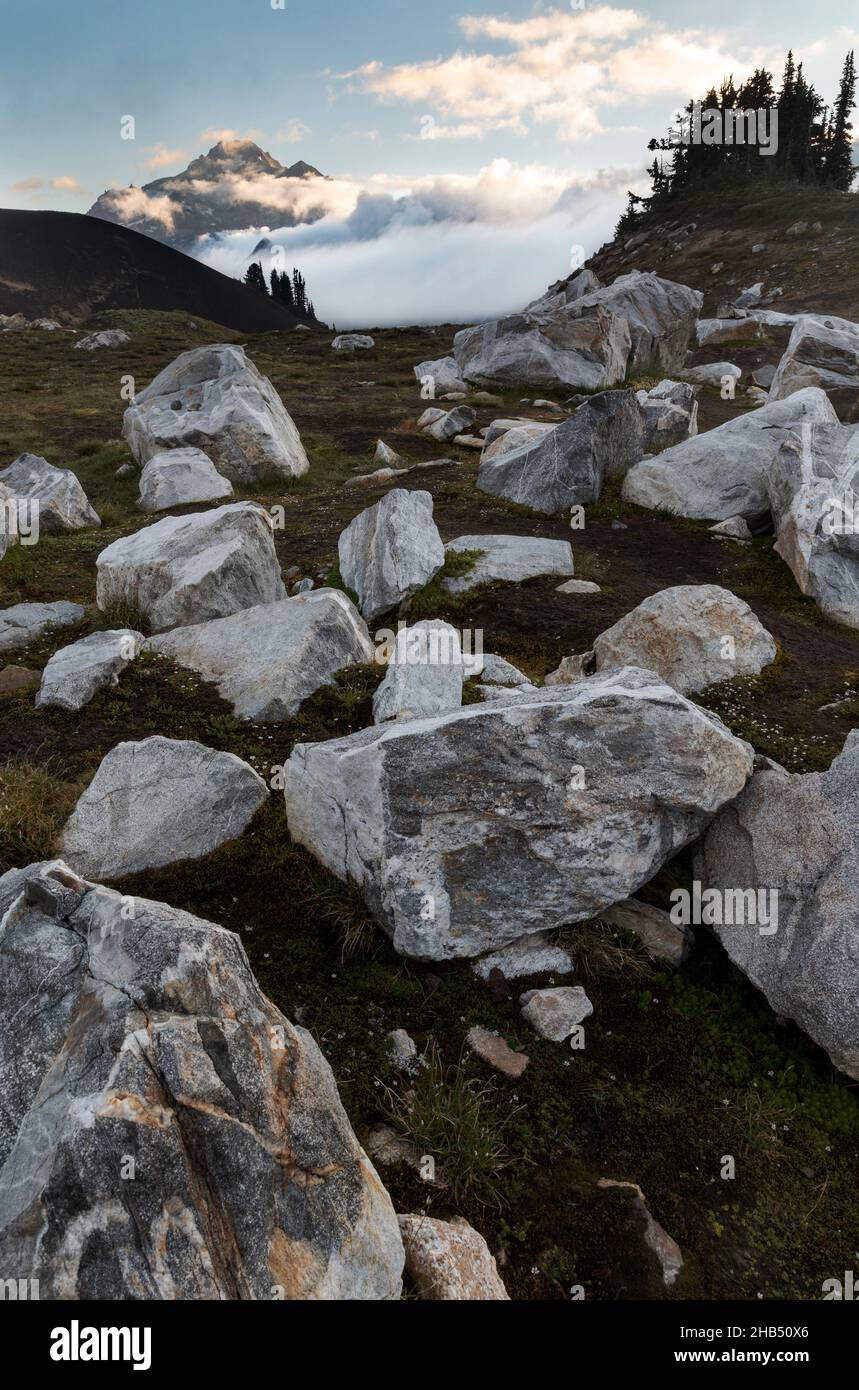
[(472, 147)]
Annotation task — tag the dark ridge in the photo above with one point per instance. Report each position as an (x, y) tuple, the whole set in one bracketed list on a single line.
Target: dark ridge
[(68, 266)]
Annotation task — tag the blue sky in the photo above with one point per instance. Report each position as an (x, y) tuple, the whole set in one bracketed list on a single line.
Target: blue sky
[(557, 92), (70, 68)]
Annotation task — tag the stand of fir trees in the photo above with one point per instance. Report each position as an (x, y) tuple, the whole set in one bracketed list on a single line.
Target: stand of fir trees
[(292, 292), (814, 144)]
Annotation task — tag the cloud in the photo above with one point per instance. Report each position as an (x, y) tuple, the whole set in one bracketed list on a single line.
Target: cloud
[(564, 69), (67, 183), (27, 185), (131, 203), (454, 249), (293, 133), (162, 157)]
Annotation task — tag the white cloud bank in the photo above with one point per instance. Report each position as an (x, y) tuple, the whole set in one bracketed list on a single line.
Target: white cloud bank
[(440, 250)]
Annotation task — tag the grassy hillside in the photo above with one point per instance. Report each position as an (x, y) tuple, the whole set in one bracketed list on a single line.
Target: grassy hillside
[(818, 270), (64, 266)]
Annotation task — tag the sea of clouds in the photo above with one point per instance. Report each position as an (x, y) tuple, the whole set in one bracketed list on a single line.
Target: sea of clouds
[(454, 249)]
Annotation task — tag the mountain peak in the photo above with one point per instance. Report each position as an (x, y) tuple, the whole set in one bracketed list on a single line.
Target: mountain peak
[(199, 200)]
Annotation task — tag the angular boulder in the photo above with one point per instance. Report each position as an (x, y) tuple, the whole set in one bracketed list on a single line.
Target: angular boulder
[(724, 472), (178, 477), (712, 374), (551, 345), (509, 559), (449, 1260), (569, 464), (24, 623), (469, 830), (797, 836), (75, 674), (822, 352), (107, 338), (267, 660), (441, 375), (62, 503), (662, 317), (512, 434), (353, 342), (567, 291), (692, 635), (727, 330), (214, 399), (530, 955), (814, 496), (451, 423), (424, 676), (554, 1013), (159, 802), (166, 1133), (390, 551), (661, 938), (670, 415), (495, 670), (189, 569)]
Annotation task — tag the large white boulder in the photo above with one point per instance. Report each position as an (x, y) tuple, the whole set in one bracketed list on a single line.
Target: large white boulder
[(426, 673), (549, 346), (178, 477), (790, 844), (166, 1134), (823, 352), (189, 569), (723, 472), (509, 559), (267, 660), (390, 551), (585, 336), (76, 673), (62, 503), (662, 316), (214, 399), (569, 464), (158, 802), (692, 635), (471, 829), (814, 496)]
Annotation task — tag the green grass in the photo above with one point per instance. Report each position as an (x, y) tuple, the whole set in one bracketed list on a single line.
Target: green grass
[(429, 600), (35, 802), (449, 1116)]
